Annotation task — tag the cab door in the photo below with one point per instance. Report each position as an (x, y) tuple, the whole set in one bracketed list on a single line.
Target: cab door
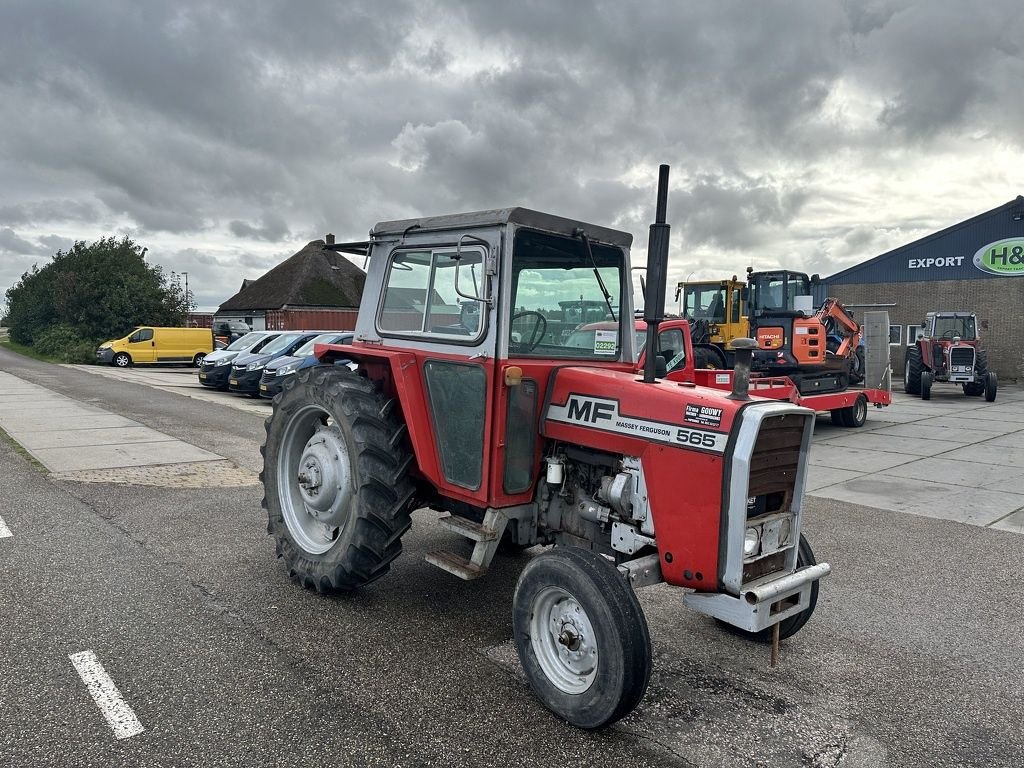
[(436, 306), (142, 345)]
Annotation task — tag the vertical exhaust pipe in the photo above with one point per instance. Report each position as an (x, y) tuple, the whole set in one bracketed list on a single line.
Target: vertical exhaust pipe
[(741, 369), (657, 275)]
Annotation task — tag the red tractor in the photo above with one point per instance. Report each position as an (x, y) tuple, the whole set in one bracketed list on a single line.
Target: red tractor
[(469, 399), (948, 350)]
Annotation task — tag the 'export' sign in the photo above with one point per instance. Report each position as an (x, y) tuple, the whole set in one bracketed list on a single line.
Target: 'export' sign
[(1003, 257)]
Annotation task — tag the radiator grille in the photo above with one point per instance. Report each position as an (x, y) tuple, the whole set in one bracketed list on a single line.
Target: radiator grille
[(961, 356)]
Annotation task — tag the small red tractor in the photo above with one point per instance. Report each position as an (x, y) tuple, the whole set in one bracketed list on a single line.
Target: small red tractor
[(820, 350), (473, 395), (948, 350)]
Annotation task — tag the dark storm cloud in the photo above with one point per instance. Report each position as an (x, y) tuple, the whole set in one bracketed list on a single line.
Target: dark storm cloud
[(201, 128)]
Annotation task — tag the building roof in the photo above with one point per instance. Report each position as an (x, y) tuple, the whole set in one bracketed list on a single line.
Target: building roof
[(997, 217), (313, 277)]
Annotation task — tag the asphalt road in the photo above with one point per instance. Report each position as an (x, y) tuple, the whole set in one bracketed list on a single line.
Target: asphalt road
[(913, 658)]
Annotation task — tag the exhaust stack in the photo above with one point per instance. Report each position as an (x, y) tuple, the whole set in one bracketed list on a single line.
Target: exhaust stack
[(657, 274), (741, 369)]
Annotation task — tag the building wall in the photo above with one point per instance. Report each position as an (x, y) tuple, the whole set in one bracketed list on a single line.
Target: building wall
[(311, 319), (998, 302)]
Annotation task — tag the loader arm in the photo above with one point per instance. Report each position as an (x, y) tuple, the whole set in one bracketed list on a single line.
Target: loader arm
[(850, 330)]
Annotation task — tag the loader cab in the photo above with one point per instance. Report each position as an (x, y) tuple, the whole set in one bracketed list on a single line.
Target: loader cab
[(779, 293)]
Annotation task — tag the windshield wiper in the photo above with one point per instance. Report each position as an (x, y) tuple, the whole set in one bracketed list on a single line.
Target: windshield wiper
[(604, 289)]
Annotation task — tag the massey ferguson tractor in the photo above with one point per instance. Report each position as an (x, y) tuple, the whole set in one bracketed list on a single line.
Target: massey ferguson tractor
[(468, 398), (948, 350)]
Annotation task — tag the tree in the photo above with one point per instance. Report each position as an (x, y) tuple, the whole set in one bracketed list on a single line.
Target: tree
[(101, 291)]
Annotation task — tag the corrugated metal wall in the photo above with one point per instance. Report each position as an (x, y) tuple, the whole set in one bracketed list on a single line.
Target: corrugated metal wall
[(311, 319)]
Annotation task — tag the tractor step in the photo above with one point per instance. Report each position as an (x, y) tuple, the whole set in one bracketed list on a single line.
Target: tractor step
[(471, 530), (456, 565)]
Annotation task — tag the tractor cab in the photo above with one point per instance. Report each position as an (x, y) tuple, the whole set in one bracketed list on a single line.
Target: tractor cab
[(779, 293), (962, 326)]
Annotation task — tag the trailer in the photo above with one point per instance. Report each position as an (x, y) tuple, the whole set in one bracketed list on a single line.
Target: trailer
[(848, 407)]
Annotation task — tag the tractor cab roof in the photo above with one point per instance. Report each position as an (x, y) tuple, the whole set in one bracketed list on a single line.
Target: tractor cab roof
[(501, 216), (950, 314)]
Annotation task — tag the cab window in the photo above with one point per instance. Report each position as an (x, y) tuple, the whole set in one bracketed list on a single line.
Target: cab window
[(143, 334), (420, 296), (564, 304)]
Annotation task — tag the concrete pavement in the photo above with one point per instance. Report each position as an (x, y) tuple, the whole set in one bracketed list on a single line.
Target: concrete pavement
[(74, 439), (952, 457)]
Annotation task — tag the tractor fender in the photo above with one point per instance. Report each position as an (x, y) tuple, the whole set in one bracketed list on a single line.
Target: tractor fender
[(398, 376)]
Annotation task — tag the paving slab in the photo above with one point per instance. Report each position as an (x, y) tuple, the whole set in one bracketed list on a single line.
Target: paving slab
[(83, 438), (67, 436), (1009, 440), (857, 459), (891, 444), (970, 474), (989, 454), (113, 456), (819, 476), (1013, 522), (928, 430), (974, 506)]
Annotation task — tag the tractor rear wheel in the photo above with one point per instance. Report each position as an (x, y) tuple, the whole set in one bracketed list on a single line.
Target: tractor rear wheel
[(991, 384), (927, 377), (336, 479), (792, 625), (912, 371), (581, 636)]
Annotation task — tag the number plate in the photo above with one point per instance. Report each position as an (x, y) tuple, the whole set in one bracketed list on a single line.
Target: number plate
[(233, 382), (202, 377), (263, 387)]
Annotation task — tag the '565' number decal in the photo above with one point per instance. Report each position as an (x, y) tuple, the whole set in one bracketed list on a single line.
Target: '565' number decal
[(696, 438)]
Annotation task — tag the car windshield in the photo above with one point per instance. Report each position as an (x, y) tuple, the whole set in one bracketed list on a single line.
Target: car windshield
[(245, 342), (556, 294), (280, 343), (324, 338)]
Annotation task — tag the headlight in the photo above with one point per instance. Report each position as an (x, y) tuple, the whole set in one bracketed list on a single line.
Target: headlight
[(751, 541), (254, 366), (284, 370), (223, 361)]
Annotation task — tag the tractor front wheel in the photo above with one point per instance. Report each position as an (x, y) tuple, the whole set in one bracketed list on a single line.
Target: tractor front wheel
[(336, 479), (581, 636), (991, 384), (927, 377)]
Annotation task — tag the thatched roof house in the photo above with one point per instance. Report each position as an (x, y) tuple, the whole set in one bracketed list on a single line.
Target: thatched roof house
[(314, 278)]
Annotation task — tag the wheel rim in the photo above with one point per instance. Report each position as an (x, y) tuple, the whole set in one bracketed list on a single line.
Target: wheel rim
[(906, 371), (563, 640), (314, 480), (122, 361), (860, 410)]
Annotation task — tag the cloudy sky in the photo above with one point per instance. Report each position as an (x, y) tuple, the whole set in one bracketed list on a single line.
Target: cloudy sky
[(225, 135)]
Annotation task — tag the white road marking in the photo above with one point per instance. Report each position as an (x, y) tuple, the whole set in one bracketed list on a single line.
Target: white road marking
[(118, 714), (5, 532)]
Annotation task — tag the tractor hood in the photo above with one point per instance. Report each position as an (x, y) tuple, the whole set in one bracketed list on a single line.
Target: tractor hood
[(622, 414)]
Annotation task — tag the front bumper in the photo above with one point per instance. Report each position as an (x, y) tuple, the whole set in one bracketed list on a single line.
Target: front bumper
[(216, 376), (244, 382), (105, 356), (271, 384), (763, 602)]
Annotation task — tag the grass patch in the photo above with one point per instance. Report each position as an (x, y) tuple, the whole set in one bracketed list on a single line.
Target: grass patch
[(21, 451), (21, 349)]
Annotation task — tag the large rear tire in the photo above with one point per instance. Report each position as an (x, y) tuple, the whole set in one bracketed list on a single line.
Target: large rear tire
[(912, 371), (581, 636), (336, 479), (792, 625)]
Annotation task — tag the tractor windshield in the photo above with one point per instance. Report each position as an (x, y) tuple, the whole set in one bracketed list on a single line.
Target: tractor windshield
[(555, 293), (952, 326), (777, 291), (704, 302)]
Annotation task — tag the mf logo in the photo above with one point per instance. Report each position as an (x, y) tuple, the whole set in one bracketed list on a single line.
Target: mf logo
[(590, 410)]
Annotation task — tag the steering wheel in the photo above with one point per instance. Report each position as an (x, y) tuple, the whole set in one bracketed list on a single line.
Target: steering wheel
[(949, 334), (540, 327)]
